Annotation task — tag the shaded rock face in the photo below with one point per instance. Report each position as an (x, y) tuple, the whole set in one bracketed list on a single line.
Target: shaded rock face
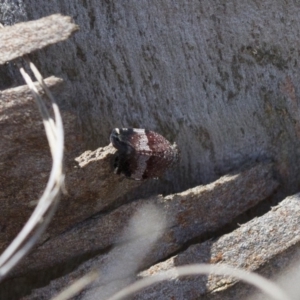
[(12, 12), (217, 79)]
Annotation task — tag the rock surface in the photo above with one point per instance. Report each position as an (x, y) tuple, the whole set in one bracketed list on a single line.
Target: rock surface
[(219, 79), (190, 214), (267, 245), (24, 38)]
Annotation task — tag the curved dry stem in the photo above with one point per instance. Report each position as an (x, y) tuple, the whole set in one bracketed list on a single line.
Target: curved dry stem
[(263, 284), (77, 286), (45, 209)]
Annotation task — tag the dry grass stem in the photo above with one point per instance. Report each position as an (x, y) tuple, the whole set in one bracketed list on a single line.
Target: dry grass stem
[(45, 209)]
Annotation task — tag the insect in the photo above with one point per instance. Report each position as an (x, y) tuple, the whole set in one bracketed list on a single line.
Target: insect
[(142, 153)]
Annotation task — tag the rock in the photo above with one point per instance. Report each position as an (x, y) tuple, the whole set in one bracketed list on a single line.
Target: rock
[(24, 38), (189, 215)]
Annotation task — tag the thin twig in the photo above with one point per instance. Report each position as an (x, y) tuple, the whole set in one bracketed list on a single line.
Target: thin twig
[(265, 285), (77, 286), (47, 204)]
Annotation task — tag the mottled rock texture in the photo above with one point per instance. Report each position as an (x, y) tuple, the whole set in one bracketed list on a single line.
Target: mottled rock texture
[(219, 79)]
